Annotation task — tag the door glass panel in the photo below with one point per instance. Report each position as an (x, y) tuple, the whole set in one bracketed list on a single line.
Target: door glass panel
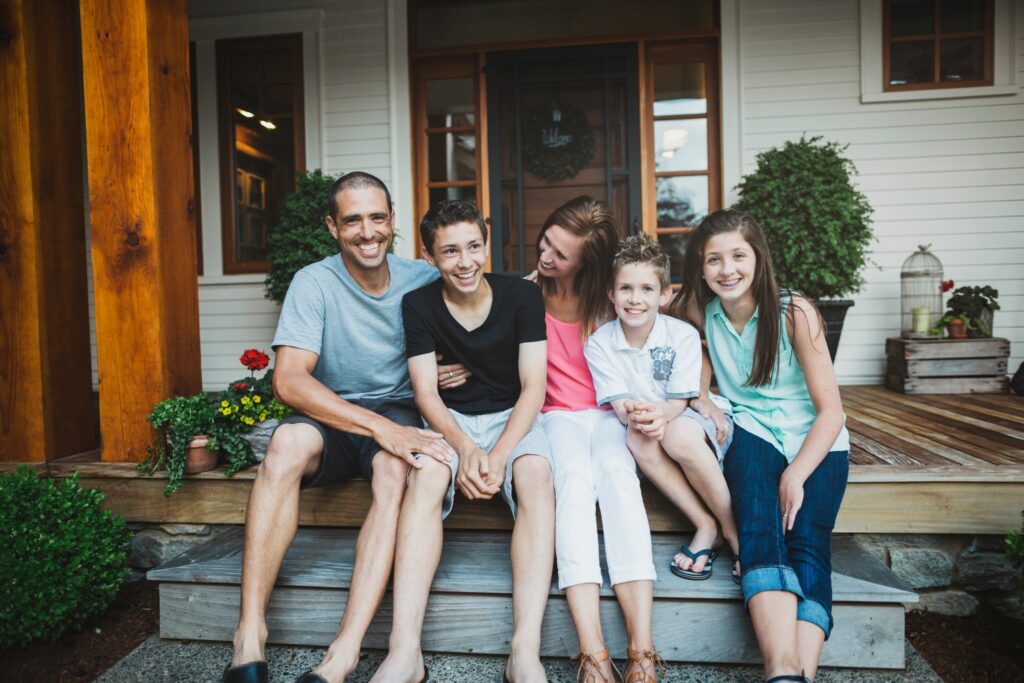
[(440, 194), (679, 89), (911, 62), (450, 102), (962, 59), (682, 200), (681, 145), (451, 156), (675, 246), (911, 17)]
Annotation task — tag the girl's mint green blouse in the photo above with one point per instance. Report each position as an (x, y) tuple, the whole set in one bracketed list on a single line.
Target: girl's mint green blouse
[(780, 413)]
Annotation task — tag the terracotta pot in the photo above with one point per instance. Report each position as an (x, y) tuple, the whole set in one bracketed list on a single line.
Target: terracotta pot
[(199, 457), (956, 329)]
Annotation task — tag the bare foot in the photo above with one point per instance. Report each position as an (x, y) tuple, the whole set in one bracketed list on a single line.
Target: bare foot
[(401, 667), (337, 665), (702, 539), (525, 668)]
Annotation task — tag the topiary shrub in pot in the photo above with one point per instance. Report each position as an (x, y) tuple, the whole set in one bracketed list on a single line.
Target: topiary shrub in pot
[(817, 224), (62, 557)]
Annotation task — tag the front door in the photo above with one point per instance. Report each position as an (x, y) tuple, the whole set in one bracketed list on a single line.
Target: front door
[(563, 122)]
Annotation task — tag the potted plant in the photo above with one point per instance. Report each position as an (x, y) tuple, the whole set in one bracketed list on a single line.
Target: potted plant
[(186, 438), (248, 407), (977, 304), (817, 224)]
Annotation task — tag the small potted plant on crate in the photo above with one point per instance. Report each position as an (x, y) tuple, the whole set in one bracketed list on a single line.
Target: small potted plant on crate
[(249, 408), (969, 313), (186, 439)]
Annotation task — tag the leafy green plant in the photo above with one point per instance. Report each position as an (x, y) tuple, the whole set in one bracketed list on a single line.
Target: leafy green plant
[(970, 304), (1015, 549), (62, 558), (301, 236), (817, 224), (178, 420)]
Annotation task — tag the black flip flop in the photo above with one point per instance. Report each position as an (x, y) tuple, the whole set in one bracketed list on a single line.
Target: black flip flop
[(692, 575)]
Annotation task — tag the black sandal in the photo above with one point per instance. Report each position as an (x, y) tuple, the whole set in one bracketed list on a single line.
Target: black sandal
[(253, 672), (800, 678)]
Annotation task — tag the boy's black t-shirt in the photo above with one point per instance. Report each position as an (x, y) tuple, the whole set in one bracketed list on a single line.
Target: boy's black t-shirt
[(490, 352)]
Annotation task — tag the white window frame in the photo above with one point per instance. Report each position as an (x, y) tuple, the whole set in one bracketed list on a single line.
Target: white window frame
[(204, 32), (1004, 59)]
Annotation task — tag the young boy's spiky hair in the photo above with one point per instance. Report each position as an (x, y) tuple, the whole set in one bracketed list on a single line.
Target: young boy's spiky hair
[(642, 249)]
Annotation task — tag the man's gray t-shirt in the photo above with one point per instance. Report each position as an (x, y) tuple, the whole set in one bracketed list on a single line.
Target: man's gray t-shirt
[(359, 338)]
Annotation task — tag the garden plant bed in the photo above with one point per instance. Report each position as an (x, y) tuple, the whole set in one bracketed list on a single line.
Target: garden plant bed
[(985, 647), (83, 655)]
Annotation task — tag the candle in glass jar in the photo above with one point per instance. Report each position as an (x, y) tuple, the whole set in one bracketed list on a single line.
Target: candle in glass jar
[(922, 319)]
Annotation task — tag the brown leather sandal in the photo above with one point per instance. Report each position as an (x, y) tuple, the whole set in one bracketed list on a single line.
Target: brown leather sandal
[(643, 666), (591, 671)]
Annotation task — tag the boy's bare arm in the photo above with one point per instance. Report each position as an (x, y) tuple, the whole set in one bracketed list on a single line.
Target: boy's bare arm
[(533, 369)]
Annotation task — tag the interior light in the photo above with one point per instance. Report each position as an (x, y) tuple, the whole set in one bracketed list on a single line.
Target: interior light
[(246, 114), (267, 124)]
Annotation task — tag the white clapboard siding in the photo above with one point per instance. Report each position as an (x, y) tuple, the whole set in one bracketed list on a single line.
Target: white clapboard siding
[(949, 173)]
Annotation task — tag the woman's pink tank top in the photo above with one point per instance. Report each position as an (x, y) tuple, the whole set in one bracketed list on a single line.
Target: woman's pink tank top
[(570, 385)]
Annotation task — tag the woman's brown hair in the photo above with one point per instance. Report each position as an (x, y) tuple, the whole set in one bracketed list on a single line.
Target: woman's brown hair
[(765, 289), (594, 221)]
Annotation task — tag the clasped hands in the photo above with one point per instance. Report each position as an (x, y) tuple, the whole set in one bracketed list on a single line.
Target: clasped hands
[(480, 474), (646, 418)]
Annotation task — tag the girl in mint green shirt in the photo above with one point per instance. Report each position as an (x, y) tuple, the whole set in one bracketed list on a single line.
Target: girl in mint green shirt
[(788, 462)]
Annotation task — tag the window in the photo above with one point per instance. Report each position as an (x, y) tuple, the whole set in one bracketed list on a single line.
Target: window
[(262, 137), (683, 167), (937, 44)]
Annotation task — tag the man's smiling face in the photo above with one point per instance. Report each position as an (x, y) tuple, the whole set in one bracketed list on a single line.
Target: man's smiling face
[(363, 227)]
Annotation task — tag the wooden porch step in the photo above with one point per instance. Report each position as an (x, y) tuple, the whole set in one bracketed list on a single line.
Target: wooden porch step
[(470, 606)]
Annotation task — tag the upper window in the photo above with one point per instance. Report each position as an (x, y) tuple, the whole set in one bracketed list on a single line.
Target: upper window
[(260, 116), (937, 44)]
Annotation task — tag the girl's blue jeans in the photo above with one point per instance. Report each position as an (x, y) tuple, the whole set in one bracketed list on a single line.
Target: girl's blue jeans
[(798, 561)]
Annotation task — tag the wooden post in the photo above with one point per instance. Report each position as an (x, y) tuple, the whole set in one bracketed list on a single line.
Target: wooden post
[(45, 378), (138, 128)]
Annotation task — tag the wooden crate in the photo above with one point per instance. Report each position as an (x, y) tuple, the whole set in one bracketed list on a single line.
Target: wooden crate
[(947, 366)]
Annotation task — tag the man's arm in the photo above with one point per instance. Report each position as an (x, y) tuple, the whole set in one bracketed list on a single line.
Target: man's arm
[(295, 385), (533, 377)]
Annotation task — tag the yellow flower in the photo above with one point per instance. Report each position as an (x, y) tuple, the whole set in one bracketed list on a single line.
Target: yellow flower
[(234, 409), (256, 398), (225, 404), (263, 416), (245, 399)]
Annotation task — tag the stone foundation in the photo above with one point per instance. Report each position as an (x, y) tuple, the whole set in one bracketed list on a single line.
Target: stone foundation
[(154, 544), (952, 574)]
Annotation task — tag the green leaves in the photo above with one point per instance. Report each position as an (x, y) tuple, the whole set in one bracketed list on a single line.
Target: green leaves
[(62, 558), (1015, 549), (818, 226), (301, 236), (177, 421)]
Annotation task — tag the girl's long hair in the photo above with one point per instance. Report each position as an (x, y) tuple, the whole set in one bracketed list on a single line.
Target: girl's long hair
[(765, 289), (594, 221)]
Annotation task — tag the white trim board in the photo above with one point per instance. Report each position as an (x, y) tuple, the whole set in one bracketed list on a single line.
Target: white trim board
[(400, 130)]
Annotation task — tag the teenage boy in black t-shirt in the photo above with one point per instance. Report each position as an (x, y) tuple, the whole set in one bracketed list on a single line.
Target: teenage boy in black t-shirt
[(494, 325)]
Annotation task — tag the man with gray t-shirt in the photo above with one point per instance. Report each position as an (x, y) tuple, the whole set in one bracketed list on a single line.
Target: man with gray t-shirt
[(341, 365)]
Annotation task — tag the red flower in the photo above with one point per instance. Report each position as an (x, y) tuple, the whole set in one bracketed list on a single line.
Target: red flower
[(254, 360), (946, 286), (240, 386)]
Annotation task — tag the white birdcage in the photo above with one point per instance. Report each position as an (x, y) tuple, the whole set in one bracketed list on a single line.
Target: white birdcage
[(921, 293)]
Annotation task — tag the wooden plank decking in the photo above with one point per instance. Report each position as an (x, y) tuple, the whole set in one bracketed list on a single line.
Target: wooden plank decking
[(919, 464)]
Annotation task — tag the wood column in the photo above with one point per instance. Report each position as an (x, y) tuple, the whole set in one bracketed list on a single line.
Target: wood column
[(138, 129), (45, 374)]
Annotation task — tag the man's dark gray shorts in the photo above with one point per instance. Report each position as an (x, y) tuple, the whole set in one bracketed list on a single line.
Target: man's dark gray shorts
[(347, 456)]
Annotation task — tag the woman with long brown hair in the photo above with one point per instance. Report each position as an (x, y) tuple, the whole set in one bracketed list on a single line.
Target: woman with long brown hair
[(592, 464), (789, 459)]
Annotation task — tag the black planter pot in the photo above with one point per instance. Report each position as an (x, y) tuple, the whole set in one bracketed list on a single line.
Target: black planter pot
[(833, 312)]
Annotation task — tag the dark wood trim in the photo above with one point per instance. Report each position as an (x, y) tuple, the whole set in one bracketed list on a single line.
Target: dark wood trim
[(561, 42), (225, 48), (936, 37)]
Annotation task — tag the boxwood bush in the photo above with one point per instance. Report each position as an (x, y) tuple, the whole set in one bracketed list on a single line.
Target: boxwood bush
[(62, 558), (817, 224)]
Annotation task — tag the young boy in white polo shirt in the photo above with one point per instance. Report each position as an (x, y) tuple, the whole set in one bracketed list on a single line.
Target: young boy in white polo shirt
[(647, 366)]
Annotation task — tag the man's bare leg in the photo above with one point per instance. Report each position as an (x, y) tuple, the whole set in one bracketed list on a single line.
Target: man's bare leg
[(417, 553), (533, 555), (271, 518), (375, 552)]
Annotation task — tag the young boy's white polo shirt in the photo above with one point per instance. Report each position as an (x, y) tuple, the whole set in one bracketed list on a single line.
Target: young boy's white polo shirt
[(667, 365)]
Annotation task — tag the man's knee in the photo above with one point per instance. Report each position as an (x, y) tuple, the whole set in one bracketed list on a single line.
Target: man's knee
[(293, 451), (431, 480), (531, 474), (390, 474)]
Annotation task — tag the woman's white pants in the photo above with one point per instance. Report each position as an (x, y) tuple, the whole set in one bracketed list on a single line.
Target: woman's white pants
[(592, 465)]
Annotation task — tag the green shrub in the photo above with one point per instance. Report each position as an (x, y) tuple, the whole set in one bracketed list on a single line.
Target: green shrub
[(818, 226), (301, 236), (1015, 549), (62, 558)]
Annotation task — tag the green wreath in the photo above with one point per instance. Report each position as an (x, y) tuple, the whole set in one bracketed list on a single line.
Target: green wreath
[(557, 142)]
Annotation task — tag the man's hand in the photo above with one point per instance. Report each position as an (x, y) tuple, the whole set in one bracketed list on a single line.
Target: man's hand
[(405, 442), (451, 376), (648, 419), (474, 475), (707, 409)]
